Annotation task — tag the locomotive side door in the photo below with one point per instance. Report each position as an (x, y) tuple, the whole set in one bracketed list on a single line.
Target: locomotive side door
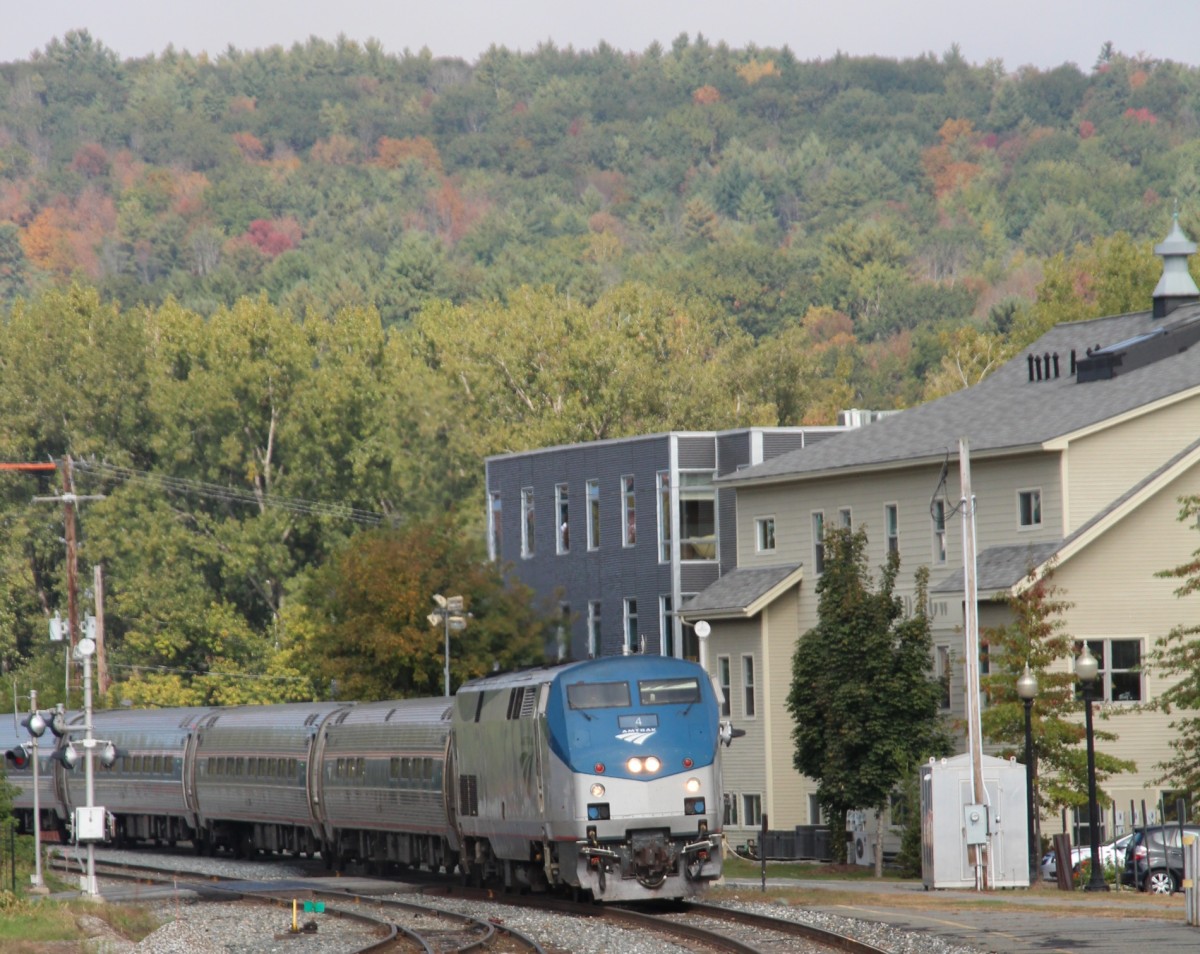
[(189, 777)]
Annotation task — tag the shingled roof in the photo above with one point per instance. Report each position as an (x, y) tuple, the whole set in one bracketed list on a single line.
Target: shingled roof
[(1042, 394), (743, 592)]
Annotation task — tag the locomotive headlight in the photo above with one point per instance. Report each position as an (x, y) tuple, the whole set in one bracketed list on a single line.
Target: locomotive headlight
[(597, 790), (652, 764), (692, 786), (634, 765)]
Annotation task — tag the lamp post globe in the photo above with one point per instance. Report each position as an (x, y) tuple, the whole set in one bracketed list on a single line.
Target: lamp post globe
[(1087, 668), (1027, 687)]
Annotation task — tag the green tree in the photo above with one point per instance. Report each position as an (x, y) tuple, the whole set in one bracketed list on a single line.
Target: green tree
[(1178, 654), (1036, 636), (863, 702), (363, 618)]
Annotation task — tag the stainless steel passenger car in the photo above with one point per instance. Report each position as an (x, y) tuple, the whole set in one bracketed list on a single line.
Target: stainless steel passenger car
[(382, 793), (255, 775)]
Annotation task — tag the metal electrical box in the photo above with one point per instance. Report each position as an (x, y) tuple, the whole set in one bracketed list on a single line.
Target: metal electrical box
[(89, 824), (952, 821)]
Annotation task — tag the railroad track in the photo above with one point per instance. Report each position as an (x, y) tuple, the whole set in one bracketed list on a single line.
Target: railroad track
[(430, 927), (694, 925), (395, 926)]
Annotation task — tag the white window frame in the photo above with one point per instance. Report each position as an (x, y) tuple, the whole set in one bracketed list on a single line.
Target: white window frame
[(593, 625), (1102, 649), (749, 701), (845, 518), (628, 511), (562, 519), (630, 620), (937, 517), (495, 525), (666, 627), (724, 672), (528, 524), (592, 493), (818, 541), (764, 534), (1034, 508), (752, 810), (891, 527)]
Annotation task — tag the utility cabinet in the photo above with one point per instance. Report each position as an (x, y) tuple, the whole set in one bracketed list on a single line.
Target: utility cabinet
[(951, 821)]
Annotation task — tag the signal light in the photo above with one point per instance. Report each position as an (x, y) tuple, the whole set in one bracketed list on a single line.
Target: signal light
[(19, 757), (67, 756), (34, 724)]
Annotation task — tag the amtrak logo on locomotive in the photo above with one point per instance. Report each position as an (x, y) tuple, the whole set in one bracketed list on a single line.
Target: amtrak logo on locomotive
[(637, 729)]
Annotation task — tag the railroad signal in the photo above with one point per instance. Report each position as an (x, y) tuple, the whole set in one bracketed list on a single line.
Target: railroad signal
[(19, 757)]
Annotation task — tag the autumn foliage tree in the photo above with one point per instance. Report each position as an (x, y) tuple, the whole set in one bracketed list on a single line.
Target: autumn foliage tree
[(365, 615)]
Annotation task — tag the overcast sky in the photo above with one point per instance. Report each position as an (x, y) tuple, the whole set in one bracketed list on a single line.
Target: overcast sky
[(1044, 33)]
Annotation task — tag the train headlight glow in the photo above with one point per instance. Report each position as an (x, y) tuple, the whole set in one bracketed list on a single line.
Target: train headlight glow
[(692, 786), (652, 764), (634, 765), (597, 790)]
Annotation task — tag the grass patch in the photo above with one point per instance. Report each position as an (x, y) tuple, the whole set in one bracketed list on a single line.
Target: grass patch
[(737, 867), (27, 927)]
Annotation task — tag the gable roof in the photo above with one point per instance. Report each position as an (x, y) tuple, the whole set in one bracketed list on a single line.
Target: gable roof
[(1019, 406), (743, 592), (1002, 569)]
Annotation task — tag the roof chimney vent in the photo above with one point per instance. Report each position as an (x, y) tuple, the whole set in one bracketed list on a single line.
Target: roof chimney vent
[(1176, 286)]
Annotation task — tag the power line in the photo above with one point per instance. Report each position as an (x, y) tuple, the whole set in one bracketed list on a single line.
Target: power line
[(209, 672), (218, 492)]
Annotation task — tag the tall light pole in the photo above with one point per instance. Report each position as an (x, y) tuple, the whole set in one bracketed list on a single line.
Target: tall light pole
[(36, 726), (449, 615), (1027, 687), (1086, 668)]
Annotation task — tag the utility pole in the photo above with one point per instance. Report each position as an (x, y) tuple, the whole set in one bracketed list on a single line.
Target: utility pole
[(978, 841), (69, 499)]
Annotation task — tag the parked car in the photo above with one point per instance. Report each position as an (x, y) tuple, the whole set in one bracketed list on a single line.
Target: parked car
[(1112, 853), (1154, 862)]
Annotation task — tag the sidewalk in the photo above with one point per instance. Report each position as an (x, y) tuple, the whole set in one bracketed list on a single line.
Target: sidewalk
[(1040, 920)]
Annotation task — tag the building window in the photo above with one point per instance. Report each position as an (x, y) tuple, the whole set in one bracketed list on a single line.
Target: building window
[(818, 534), (564, 630), (666, 626), (495, 535), (937, 512), (663, 486), (562, 497), (765, 534), (593, 624), (891, 526), (723, 672), (1029, 508), (943, 675), (697, 517), (527, 538), (747, 685), (631, 626), (845, 518), (752, 811), (629, 514), (593, 514), (1083, 829), (816, 814), (1119, 678), (731, 809)]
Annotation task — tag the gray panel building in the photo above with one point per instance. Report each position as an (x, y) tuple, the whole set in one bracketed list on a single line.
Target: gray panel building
[(615, 535)]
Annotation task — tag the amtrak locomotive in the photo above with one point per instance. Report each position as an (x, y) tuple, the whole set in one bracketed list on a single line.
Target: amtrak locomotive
[(599, 777)]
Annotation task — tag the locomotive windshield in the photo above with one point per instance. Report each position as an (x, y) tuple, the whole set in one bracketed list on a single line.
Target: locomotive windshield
[(598, 695), (663, 692)]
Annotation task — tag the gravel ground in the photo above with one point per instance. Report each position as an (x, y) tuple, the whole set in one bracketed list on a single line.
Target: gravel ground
[(214, 928)]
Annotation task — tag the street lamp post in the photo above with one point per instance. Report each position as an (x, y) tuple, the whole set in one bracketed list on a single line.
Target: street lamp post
[(36, 726), (1027, 687), (1086, 668), (449, 615)]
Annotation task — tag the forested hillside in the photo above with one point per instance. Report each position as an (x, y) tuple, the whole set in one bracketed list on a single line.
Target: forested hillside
[(332, 274)]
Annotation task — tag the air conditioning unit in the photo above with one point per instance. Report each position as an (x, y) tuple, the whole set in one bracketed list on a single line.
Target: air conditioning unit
[(864, 849)]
